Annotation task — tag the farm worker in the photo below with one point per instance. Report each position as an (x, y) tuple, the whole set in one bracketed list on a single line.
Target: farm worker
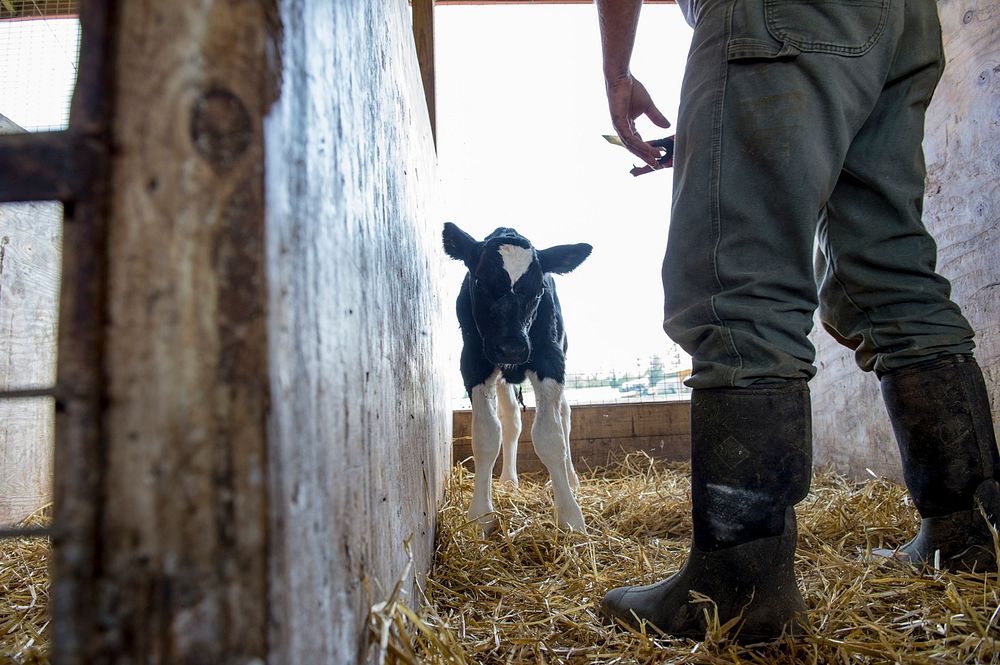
[(802, 120)]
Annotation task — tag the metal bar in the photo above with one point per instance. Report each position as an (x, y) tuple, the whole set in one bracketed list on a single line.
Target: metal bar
[(26, 532), (38, 167), (23, 393), (80, 444)]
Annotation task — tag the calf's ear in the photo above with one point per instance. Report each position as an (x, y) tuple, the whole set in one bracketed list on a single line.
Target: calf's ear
[(563, 258), (460, 245)]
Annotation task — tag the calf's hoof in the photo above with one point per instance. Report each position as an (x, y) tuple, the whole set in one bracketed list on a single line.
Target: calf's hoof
[(510, 479), (487, 521), (571, 519)]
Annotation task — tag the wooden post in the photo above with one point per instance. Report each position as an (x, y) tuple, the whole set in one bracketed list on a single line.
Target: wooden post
[(173, 568), (423, 36)]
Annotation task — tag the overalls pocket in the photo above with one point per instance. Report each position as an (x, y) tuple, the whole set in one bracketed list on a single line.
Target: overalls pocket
[(782, 29), (840, 27)]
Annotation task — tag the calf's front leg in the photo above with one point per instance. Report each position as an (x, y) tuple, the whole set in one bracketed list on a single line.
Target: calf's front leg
[(485, 448), (549, 439)]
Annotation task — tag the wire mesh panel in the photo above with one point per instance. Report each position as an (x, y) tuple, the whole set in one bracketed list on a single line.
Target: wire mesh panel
[(39, 53)]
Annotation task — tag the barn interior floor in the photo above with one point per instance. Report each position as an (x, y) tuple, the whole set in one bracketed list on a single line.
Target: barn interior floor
[(529, 593)]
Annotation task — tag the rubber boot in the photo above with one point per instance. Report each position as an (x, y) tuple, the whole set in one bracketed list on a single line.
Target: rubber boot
[(751, 461), (940, 413)]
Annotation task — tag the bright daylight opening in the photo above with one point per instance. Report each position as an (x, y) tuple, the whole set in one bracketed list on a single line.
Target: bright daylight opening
[(521, 113)]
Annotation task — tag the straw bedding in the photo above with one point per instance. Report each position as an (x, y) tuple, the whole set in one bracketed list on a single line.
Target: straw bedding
[(529, 593), (24, 595)]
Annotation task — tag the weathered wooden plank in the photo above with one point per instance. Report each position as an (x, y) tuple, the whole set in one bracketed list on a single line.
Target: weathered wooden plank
[(359, 419), (182, 501), (30, 261), (603, 421), (591, 453), (38, 167), (598, 433)]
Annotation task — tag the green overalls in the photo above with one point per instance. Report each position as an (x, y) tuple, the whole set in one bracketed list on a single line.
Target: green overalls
[(801, 123)]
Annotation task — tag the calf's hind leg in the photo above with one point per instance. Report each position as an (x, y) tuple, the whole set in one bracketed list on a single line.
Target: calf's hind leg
[(510, 431), (549, 439), (485, 448), (564, 412)]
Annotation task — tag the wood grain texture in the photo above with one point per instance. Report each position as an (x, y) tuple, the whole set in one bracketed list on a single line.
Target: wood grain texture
[(359, 423), (30, 253), (598, 433), (962, 212), (183, 530)]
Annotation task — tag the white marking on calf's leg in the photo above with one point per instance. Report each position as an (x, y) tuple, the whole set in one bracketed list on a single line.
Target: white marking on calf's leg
[(564, 411), (549, 439), (516, 260), (510, 430), (485, 448)]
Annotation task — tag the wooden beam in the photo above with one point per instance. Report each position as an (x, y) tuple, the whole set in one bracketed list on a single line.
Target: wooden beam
[(38, 167), (599, 433), (423, 36), (161, 465)]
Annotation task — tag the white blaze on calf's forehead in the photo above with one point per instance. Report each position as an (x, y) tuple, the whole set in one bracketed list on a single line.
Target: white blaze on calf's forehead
[(516, 261)]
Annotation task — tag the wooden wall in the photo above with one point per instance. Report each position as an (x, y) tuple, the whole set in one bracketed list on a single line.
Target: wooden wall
[(30, 244), (30, 239), (359, 423), (276, 421), (962, 212), (599, 433)]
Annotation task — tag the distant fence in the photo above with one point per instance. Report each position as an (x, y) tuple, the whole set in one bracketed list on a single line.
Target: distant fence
[(610, 388), (600, 433)]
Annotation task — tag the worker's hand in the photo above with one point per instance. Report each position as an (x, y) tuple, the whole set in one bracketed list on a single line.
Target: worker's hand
[(627, 100)]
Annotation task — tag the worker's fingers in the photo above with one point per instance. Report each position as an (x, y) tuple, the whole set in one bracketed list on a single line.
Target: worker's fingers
[(656, 117), (642, 104), (627, 100), (634, 143)]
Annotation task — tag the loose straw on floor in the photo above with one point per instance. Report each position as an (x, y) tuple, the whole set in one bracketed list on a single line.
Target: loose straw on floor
[(24, 595), (529, 594)]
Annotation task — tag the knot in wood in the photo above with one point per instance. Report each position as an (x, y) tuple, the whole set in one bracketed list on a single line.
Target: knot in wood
[(220, 128)]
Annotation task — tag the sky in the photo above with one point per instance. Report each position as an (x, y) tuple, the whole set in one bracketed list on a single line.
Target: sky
[(520, 114)]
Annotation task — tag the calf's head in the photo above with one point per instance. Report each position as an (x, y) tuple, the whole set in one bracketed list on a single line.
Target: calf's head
[(506, 285)]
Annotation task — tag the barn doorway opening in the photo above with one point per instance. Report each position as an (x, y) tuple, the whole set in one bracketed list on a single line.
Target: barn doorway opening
[(521, 113)]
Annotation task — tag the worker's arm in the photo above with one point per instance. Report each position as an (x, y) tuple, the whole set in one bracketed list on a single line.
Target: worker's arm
[(627, 97)]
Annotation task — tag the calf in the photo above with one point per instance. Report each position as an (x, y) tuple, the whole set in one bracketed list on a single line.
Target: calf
[(512, 329)]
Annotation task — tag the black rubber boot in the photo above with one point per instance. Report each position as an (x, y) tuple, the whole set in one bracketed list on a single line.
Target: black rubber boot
[(940, 413), (751, 461)]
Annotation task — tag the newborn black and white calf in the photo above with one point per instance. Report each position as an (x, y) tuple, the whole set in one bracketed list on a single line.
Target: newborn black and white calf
[(512, 329)]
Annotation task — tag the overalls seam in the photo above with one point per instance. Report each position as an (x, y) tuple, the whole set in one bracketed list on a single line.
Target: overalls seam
[(716, 197)]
